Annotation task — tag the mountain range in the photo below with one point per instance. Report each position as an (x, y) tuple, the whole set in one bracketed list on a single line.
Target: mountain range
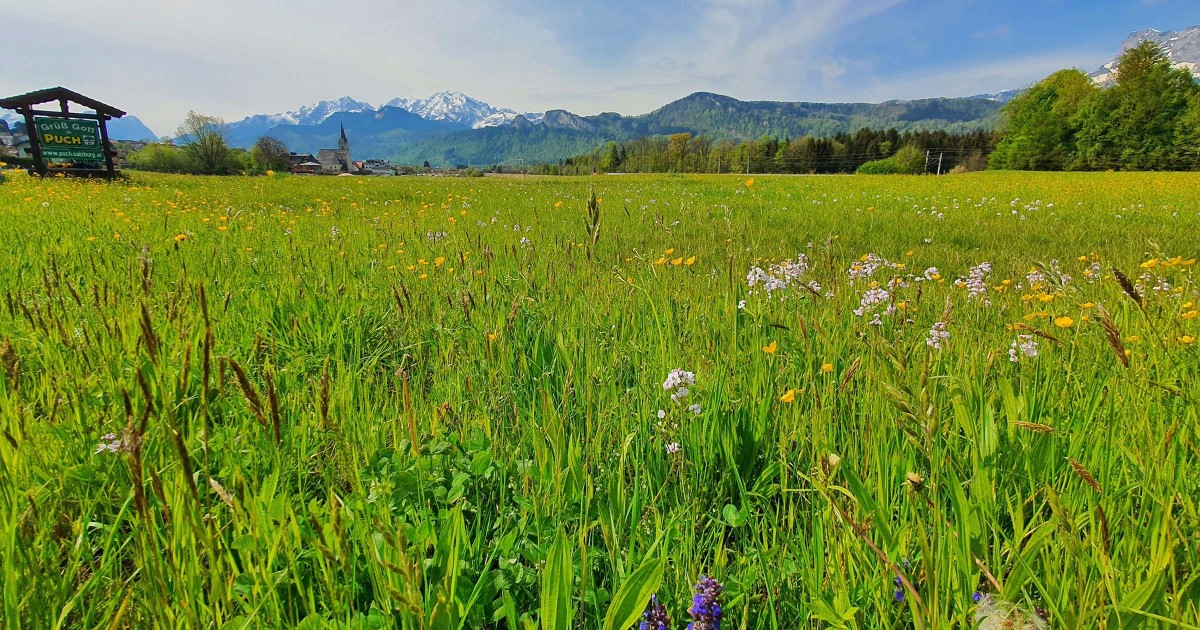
[(450, 128), (454, 109), (1181, 47), (125, 128)]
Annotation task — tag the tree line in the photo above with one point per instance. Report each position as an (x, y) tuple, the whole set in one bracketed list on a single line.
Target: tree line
[(839, 153), (1148, 120), (201, 148)]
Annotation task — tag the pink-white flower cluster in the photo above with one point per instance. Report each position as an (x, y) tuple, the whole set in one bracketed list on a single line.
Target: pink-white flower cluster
[(865, 268), (876, 302), (1023, 346), (937, 334), (976, 280), (780, 276)]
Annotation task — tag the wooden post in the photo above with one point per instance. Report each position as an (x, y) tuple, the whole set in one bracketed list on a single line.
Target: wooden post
[(35, 145), (108, 153)]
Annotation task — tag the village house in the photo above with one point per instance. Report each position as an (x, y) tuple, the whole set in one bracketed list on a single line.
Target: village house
[(304, 164), (300, 158), (23, 147), (307, 168), (13, 143), (379, 167)]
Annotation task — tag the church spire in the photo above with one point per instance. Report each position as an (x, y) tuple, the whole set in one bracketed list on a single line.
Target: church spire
[(343, 143)]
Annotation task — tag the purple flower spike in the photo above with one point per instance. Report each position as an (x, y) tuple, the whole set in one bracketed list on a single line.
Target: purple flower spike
[(655, 617), (706, 606)]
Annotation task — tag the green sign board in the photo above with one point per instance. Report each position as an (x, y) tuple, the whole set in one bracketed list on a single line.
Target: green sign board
[(64, 140)]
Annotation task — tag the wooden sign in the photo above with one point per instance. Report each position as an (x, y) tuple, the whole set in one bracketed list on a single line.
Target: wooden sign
[(65, 140)]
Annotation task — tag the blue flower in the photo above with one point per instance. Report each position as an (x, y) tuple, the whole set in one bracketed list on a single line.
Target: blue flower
[(898, 593), (655, 617), (706, 606)]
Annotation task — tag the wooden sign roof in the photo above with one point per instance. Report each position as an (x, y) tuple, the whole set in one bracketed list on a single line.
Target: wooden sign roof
[(55, 94)]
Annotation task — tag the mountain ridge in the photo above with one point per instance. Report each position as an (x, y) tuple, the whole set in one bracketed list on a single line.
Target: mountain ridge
[(563, 134), (445, 129), (128, 127), (1182, 48)]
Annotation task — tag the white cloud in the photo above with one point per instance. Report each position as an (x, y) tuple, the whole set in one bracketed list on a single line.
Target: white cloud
[(235, 58), (978, 78), (1001, 31)]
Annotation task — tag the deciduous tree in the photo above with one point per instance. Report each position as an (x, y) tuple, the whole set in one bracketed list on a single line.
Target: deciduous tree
[(203, 138)]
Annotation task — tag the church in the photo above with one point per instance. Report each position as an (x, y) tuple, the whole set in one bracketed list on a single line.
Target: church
[(337, 161)]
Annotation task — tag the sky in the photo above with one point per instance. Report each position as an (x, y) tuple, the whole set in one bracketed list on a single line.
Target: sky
[(235, 58)]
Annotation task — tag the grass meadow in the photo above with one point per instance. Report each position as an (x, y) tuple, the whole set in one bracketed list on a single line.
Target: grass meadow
[(856, 402)]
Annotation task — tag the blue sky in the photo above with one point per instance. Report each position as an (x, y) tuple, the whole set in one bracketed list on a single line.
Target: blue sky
[(239, 57)]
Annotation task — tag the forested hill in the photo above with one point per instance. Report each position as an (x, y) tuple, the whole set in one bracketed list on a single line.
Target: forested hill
[(722, 116), (563, 134)]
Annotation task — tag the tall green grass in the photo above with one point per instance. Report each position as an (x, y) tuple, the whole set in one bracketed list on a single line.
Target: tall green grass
[(433, 403)]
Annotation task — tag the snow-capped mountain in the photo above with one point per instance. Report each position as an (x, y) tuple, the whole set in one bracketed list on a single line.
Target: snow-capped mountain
[(1182, 48), (11, 117), (449, 107), (507, 117), (317, 113), (999, 97), (248, 129), (446, 106), (314, 114), (458, 108)]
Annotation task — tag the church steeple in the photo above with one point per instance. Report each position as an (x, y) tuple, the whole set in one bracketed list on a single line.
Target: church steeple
[(343, 143)]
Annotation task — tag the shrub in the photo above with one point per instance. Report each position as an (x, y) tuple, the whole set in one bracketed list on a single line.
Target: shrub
[(970, 164), (163, 158), (887, 166), (909, 160)]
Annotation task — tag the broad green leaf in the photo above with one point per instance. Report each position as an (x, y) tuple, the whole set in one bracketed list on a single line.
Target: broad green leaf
[(733, 516), (556, 585), (634, 592)]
